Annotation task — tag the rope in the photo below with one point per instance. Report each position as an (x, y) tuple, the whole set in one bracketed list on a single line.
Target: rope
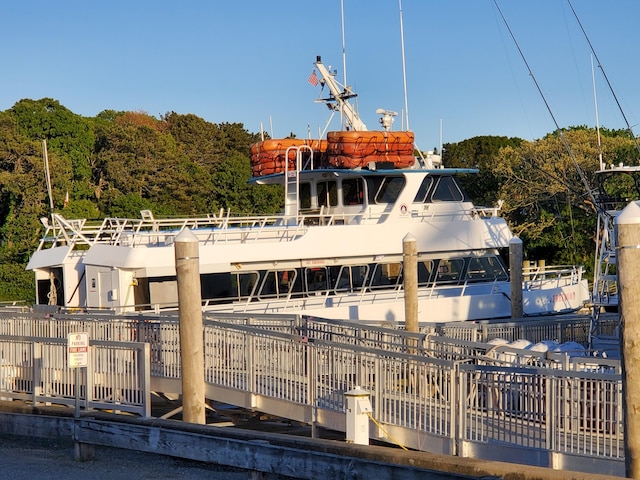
[(385, 432)]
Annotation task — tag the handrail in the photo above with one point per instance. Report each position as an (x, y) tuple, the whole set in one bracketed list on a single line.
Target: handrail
[(117, 231)]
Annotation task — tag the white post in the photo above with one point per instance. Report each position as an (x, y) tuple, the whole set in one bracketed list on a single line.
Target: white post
[(358, 410), (628, 236)]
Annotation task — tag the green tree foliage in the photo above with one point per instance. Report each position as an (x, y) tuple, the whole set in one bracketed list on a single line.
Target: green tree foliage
[(547, 190), (118, 163), (114, 164), (67, 134), (480, 153)]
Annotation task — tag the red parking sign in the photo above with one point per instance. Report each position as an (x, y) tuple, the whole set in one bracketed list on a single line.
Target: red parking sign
[(78, 349)]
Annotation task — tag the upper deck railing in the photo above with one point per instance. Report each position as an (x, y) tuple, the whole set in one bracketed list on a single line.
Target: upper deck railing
[(220, 228)]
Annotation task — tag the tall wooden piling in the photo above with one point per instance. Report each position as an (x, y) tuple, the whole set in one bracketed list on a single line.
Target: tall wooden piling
[(515, 275), (628, 238), (410, 276), (191, 327)]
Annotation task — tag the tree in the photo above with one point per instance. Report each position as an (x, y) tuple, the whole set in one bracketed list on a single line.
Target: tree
[(68, 135), (546, 192), (230, 189), (480, 153)]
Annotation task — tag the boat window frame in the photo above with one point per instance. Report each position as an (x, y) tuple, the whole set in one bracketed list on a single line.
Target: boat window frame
[(444, 275), (379, 267), (484, 271), (305, 195), (380, 188), (329, 196), (347, 196), (347, 284), (312, 292), (440, 189), (238, 288), (279, 280)]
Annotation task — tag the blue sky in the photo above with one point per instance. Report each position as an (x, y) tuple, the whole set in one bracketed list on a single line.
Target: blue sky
[(248, 61)]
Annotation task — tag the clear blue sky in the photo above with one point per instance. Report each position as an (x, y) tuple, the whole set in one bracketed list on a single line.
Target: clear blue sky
[(248, 61)]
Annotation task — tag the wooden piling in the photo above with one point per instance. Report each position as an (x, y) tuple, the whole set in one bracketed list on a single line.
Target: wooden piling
[(628, 238), (410, 276), (191, 327), (515, 268)]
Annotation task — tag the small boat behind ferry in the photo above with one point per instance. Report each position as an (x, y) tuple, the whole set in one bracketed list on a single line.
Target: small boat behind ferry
[(336, 251)]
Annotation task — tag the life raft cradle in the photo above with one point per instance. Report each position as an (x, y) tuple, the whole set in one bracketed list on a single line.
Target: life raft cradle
[(343, 149)]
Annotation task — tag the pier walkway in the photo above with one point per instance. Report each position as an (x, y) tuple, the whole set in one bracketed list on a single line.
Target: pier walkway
[(444, 390)]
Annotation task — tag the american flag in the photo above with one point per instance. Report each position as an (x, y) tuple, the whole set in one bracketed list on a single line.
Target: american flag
[(313, 79)]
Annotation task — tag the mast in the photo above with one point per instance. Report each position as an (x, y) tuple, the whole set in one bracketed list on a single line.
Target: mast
[(339, 96), (595, 101), (404, 69), (47, 177), (344, 47), (604, 74)]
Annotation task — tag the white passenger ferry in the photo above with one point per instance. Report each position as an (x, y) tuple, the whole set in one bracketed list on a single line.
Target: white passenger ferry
[(336, 250)]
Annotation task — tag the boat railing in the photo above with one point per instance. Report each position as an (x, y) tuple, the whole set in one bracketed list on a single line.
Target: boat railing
[(485, 212), (537, 277), (222, 227)]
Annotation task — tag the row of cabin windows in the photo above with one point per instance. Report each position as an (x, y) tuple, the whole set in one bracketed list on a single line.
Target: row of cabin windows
[(379, 190), (264, 284)]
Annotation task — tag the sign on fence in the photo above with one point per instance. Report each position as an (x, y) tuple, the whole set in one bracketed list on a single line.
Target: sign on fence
[(78, 349)]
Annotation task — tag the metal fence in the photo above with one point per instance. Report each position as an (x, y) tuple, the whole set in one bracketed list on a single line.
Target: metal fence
[(429, 392), (35, 369)]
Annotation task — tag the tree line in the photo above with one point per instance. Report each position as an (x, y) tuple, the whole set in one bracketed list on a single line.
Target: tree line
[(118, 163)]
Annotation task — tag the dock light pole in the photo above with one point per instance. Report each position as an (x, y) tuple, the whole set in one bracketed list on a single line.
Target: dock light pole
[(410, 276), (628, 238), (191, 328), (515, 277)]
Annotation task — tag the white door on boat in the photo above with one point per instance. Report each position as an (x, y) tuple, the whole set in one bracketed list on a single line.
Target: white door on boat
[(105, 289)]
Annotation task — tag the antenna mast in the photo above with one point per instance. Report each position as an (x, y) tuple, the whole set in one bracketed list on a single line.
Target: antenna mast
[(344, 47), (629, 129), (47, 176), (404, 70), (595, 101), (544, 99)]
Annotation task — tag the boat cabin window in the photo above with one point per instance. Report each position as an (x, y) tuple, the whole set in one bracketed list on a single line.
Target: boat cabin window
[(385, 275), (244, 285), (327, 194), (352, 191), (425, 188), (385, 189), (449, 271), (486, 268), (439, 189), (316, 280), (351, 278), (304, 195), (279, 283), (447, 190), (425, 272)]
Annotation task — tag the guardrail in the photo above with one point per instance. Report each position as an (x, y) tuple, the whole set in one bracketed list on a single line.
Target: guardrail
[(35, 369), (428, 392)]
